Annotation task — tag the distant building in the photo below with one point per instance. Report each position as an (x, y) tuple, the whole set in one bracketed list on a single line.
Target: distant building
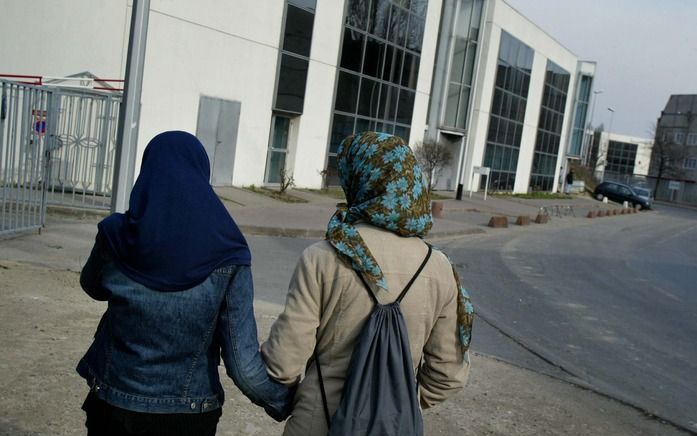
[(622, 158), (674, 158), (276, 85)]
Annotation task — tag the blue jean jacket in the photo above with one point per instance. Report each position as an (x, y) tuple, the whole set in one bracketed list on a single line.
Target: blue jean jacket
[(158, 352)]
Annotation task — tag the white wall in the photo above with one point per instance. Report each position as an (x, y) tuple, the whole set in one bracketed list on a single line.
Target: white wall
[(423, 84), (499, 17), (311, 146), (61, 38), (218, 49)]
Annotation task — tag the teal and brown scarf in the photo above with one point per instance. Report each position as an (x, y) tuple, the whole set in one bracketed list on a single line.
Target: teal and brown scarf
[(385, 187)]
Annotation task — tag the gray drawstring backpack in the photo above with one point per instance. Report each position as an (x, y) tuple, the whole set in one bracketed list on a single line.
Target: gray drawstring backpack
[(380, 395)]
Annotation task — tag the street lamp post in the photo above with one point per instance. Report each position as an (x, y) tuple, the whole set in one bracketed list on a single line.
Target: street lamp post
[(612, 116)]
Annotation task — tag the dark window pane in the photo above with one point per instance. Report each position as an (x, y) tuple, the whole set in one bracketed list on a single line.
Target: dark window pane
[(364, 125), (280, 133), (462, 108), (374, 57), (410, 72), (469, 63), (406, 106), (298, 33), (368, 101), (393, 65), (346, 92), (379, 18), (419, 7), (342, 126), (403, 132), (458, 60), (305, 4), (292, 78), (352, 50), (451, 105), (388, 102), (398, 26), (332, 171), (277, 162), (357, 14), (415, 35)]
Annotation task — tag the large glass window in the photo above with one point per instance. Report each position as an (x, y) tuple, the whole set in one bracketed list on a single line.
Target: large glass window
[(278, 148), (464, 46), (581, 112), (507, 112), (294, 59), (378, 70), (549, 127), (620, 158)]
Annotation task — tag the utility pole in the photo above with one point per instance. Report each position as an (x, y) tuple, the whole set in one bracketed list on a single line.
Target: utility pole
[(129, 113)]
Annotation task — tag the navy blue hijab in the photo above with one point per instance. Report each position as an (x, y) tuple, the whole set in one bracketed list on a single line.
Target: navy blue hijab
[(176, 231)]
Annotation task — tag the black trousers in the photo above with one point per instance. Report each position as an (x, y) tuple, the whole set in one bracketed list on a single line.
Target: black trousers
[(104, 419)]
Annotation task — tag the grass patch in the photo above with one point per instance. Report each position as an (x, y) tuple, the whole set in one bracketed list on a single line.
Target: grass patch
[(337, 193), (535, 196), (285, 197), (436, 196)]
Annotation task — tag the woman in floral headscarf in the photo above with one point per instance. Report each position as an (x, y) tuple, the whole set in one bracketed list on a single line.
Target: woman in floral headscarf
[(377, 234)]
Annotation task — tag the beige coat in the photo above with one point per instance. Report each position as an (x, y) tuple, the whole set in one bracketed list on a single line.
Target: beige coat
[(327, 305)]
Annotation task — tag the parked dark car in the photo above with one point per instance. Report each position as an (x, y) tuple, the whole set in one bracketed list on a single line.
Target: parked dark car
[(620, 193)]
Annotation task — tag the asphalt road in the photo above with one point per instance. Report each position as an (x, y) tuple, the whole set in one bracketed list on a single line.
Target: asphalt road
[(610, 303)]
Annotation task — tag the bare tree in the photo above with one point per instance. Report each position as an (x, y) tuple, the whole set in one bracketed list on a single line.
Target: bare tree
[(287, 181), (433, 157)]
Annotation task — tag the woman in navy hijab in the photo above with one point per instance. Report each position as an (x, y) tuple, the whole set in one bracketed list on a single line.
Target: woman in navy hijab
[(175, 270)]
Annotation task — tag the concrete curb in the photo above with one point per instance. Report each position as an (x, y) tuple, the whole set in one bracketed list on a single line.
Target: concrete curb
[(319, 234)]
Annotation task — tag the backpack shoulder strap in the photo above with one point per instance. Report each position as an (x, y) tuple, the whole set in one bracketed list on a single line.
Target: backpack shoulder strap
[(418, 271), (407, 287)]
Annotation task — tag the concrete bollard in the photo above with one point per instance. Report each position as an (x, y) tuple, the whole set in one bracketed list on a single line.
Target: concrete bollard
[(437, 209), (605, 200), (542, 218), (523, 220), (625, 205), (498, 222)]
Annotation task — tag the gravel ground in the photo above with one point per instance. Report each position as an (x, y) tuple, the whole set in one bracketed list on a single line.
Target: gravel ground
[(47, 323)]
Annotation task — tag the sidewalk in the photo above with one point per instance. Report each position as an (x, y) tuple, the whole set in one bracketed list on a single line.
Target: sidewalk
[(258, 214), (48, 322)]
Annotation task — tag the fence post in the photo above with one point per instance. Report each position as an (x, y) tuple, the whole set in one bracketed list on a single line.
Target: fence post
[(51, 122)]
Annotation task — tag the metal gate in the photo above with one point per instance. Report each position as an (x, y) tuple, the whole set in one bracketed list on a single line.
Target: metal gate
[(57, 146)]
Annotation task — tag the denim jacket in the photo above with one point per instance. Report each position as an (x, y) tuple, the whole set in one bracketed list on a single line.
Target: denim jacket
[(159, 352)]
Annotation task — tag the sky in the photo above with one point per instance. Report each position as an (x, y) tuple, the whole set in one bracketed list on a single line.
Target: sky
[(646, 50)]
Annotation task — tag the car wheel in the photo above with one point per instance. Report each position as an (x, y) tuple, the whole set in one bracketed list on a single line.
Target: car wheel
[(599, 197)]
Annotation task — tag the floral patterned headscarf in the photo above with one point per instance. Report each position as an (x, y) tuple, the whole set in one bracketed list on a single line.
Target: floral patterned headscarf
[(385, 187)]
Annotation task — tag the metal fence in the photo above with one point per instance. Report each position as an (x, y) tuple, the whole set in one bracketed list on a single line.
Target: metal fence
[(57, 146), (83, 148)]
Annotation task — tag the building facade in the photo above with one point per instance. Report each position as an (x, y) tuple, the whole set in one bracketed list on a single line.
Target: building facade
[(622, 158), (506, 96), (272, 89), (674, 158)]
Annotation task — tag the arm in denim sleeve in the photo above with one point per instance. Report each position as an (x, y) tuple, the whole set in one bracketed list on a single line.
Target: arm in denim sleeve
[(237, 330), (91, 274)]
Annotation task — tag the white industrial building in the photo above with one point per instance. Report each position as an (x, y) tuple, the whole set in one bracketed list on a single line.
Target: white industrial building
[(277, 84), (622, 158)]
